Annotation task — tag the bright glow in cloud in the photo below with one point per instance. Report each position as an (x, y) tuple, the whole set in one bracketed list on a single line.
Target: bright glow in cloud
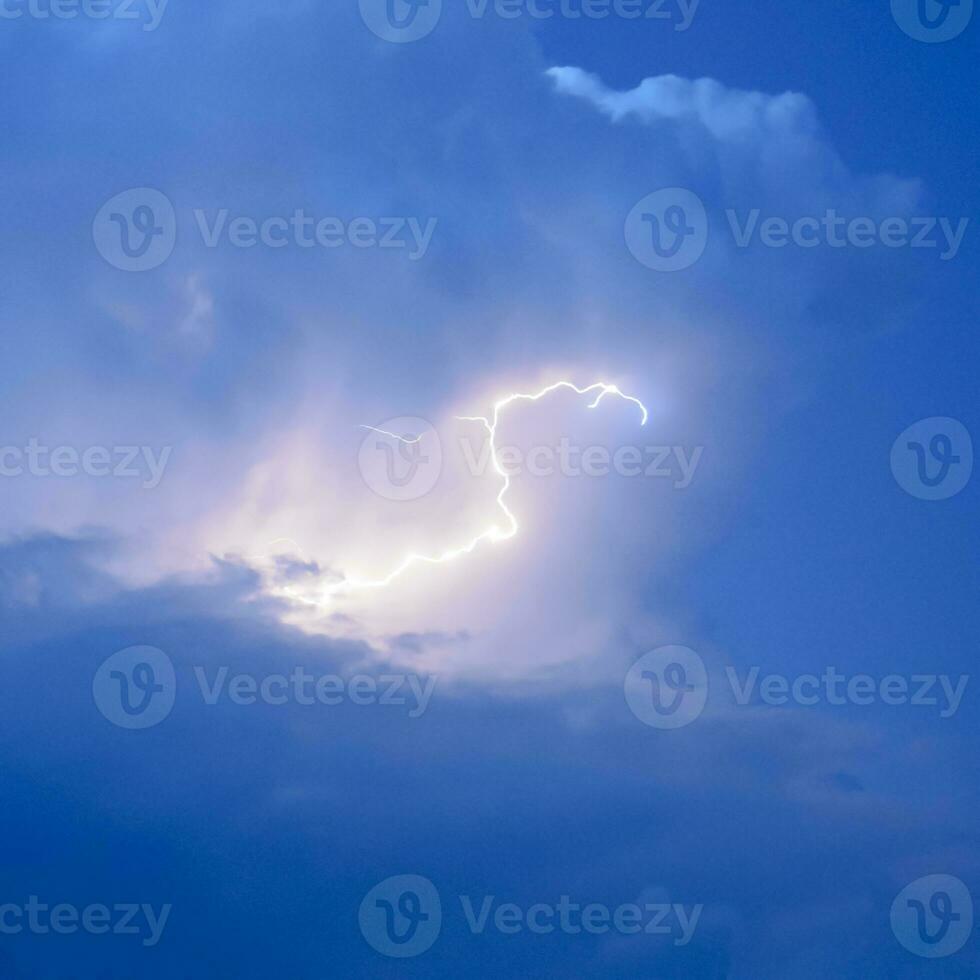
[(495, 533)]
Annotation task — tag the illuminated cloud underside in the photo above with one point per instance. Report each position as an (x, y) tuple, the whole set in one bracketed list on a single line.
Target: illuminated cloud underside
[(495, 532)]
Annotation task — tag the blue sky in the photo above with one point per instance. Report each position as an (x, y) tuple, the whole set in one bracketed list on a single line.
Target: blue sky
[(781, 528)]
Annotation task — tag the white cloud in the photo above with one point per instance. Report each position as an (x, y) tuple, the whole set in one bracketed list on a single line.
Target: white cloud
[(769, 149), (726, 113)]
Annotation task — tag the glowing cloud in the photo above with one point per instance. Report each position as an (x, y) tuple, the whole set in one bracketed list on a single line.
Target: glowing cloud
[(497, 532)]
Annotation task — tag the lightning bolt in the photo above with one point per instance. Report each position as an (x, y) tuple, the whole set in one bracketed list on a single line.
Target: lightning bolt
[(497, 532), (385, 432)]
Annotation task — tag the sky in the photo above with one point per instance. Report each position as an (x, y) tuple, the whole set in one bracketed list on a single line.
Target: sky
[(489, 493)]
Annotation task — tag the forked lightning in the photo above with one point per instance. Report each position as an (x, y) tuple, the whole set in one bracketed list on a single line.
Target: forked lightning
[(501, 531)]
